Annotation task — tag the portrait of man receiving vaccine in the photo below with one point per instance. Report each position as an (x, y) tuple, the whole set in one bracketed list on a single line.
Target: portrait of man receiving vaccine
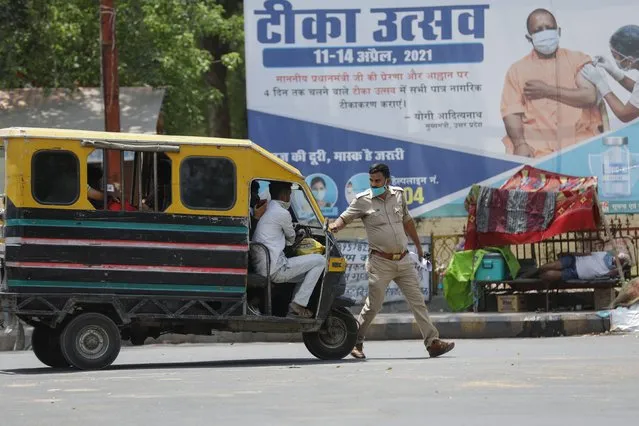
[(546, 104)]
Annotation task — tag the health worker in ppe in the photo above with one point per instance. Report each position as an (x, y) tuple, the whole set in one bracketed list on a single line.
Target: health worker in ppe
[(546, 104), (624, 47)]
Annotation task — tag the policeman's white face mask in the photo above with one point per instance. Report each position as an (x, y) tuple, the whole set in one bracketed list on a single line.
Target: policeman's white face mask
[(546, 42)]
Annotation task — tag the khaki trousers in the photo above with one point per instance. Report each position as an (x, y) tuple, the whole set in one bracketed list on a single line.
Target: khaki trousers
[(380, 273)]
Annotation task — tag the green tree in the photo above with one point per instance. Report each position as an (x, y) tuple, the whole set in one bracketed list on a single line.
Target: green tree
[(49, 44), (192, 48)]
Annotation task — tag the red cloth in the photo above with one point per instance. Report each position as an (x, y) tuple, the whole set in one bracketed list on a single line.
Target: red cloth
[(531, 179), (576, 208), (532, 208), (497, 211), (117, 206)]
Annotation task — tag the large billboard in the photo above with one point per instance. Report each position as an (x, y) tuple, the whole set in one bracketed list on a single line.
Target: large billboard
[(448, 94)]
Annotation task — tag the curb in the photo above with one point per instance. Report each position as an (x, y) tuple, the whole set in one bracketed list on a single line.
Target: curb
[(404, 327), (491, 325)]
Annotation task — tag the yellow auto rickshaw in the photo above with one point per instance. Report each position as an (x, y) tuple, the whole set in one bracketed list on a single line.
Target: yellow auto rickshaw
[(114, 236)]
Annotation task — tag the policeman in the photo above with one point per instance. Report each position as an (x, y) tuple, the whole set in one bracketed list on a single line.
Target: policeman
[(383, 211)]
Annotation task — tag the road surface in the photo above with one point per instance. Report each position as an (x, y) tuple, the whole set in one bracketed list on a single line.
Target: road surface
[(559, 381)]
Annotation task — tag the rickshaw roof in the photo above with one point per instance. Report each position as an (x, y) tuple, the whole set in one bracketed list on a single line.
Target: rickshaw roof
[(68, 134)]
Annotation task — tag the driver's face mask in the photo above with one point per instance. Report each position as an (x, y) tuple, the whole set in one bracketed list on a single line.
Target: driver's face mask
[(285, 204)]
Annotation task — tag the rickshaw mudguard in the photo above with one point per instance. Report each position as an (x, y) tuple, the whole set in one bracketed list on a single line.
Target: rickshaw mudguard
[(342, 302), (334, 281)]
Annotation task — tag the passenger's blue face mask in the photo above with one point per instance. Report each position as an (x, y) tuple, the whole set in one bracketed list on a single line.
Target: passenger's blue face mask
[(378, 190)]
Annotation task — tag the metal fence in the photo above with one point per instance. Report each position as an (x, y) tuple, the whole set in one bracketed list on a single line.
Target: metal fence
[(443, 246)]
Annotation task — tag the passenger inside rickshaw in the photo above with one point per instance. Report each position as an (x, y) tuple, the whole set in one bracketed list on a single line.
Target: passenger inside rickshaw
[(257, 207), (286, 226), (96, 196), (141, 177), (94, 183)]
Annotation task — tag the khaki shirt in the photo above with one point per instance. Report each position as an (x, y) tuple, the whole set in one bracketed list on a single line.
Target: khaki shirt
[(383, 219)]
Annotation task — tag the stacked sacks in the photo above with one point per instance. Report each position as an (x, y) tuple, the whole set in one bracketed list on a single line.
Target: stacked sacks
[(628, 296)]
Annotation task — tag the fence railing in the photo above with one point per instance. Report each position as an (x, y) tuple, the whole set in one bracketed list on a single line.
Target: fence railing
[(443, 246)]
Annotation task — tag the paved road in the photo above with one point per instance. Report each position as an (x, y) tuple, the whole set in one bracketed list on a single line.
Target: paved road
[(568, 381)]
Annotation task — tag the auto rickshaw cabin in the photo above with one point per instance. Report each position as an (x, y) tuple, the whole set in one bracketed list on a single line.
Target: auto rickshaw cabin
[(166, 248)]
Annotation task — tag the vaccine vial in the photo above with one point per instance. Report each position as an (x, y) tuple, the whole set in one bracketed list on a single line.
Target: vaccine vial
[(616, 167)]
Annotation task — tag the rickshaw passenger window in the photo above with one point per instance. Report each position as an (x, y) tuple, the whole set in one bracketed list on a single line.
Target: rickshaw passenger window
[(207, 183), (135, 184), (55, 177)]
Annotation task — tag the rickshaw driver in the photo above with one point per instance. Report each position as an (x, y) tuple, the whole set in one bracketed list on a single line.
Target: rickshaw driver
[(257, 207), (275, 230)]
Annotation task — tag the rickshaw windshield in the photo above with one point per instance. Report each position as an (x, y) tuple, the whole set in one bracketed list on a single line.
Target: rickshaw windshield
[(302, 208)]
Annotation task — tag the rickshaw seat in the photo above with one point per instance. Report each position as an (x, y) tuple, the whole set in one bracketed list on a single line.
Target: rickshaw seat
[(255, 280)]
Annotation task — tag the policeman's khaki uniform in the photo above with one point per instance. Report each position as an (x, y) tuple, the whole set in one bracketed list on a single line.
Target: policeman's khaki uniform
[(384, 222)]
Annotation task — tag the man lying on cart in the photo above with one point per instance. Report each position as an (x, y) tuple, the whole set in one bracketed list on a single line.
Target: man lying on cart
[(592, 266)]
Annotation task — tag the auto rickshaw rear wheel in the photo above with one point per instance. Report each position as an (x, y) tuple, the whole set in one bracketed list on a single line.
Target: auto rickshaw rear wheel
[(337, 337), (45, 342), (91, 341)]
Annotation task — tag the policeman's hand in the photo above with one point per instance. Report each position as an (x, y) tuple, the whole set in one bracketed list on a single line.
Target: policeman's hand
[(336, 226), (610, 66)]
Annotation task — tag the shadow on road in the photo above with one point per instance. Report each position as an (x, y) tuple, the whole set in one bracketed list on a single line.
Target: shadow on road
[(246, 363)]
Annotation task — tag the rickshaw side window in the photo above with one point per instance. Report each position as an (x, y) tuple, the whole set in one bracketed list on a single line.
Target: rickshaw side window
[(55, 177), (207, 183), (136, 185), (146, 167)]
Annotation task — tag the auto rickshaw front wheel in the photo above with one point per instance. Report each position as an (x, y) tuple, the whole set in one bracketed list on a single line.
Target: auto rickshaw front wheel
[(336, 338), (45, 342), (91, 341)]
